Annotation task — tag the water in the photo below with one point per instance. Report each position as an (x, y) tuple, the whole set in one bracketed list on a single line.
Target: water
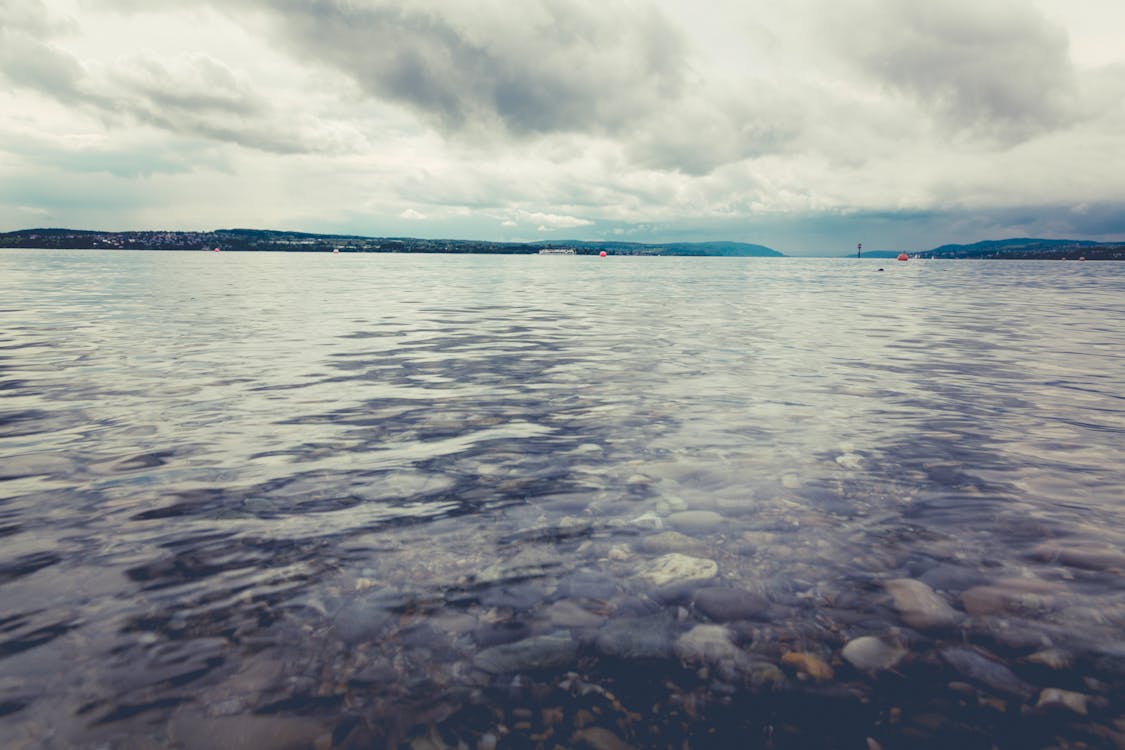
[(273, 500)]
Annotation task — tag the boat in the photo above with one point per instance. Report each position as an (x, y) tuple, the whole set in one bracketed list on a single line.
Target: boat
[(557, 251)]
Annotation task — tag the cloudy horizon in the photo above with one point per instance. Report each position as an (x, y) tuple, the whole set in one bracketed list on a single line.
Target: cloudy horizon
[(806, 128)]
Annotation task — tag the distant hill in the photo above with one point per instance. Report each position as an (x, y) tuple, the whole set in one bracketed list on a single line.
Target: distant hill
[(268, 234), (713, 249), (1026, 248), (286, 241)]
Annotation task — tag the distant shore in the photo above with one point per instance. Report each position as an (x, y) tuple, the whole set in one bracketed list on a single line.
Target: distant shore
[(285, 241), (281, 241)]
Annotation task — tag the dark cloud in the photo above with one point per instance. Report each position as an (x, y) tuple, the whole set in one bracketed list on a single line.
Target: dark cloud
[(535, 67), (996, 69)]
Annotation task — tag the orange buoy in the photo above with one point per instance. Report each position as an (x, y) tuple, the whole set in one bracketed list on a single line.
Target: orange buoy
[(903, 256), (602, 254)]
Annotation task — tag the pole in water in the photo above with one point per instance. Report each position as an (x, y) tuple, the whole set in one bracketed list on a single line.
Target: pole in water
[(859, 250)]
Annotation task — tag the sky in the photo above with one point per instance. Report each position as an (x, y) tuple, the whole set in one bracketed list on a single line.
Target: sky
[(806, 126)]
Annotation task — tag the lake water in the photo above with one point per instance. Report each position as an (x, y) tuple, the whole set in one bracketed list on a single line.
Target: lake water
[(351, 501)]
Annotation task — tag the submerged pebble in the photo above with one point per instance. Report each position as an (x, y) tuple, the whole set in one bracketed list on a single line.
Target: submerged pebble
[(696, 520), (809, 664), (677, 568), (1012, 595), (871, 654), (707, 643), (569, 614), (983, 669), (727, 604), (1051, 657), (636, 638), (1084, 557), (670, 541), (919, 605), (1051, 697), (538, 652), (648, 521), (619, 553)]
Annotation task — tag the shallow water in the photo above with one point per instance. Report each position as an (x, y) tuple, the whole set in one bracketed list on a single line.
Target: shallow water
[(361, 500)]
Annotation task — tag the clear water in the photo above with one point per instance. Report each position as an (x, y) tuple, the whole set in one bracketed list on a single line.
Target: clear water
[(361, 500)]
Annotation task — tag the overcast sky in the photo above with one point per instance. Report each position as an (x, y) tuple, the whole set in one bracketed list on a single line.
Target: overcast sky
[(807, 125)]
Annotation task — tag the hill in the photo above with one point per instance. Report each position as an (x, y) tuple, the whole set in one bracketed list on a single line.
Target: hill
[(711, 249), (286, 241), (1027, 248)]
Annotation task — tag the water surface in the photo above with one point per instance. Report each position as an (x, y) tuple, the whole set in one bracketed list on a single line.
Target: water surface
[(363, 500)]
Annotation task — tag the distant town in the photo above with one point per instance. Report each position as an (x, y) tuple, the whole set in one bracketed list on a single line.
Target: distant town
[(285, 241), (273, 240)]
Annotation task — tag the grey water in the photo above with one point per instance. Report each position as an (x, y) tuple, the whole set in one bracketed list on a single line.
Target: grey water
[(311, 500)]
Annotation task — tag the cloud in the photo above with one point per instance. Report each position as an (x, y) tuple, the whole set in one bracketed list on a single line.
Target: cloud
[(541, 66), (28, 16), (31, 63), (122, 158), (547, 222), (200, 84), (711, 129), (192, 94), (195, 96), (995, 69), (202, 96)]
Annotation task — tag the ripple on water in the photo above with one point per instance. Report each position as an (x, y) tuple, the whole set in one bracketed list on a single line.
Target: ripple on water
[(276, 503)]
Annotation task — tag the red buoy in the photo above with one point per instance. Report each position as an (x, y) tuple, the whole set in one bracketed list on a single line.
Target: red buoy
[(602, 254), (215, 250), (903, 256)]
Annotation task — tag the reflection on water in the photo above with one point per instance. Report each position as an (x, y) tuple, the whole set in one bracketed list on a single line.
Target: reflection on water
[(271, 500)]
